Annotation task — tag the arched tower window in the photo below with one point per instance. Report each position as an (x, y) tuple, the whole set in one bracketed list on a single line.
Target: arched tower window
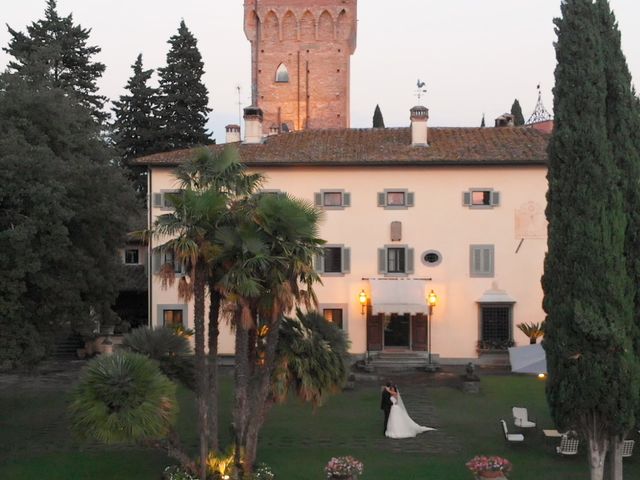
[(282, 74)]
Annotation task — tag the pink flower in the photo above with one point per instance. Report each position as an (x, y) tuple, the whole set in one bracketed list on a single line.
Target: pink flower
[(482, 463)]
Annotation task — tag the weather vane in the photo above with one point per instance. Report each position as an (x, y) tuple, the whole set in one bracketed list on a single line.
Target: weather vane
[(540, 113), (421, 90)]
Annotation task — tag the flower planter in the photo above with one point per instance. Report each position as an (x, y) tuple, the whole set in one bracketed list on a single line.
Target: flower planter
[(491, 475)]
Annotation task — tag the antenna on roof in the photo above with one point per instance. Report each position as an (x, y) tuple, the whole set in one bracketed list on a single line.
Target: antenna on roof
[(421, 90), (239, 105), (540, 114)]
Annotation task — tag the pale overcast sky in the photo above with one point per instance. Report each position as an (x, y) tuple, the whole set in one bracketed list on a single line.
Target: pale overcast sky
[(474, 55)]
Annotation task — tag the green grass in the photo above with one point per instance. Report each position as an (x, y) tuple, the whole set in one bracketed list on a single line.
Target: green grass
[(35, 442)]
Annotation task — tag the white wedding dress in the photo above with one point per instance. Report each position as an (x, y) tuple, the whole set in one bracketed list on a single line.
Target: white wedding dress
[(400, 424)]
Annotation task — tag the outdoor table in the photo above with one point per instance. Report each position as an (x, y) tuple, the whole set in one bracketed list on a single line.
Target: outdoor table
[(551, 433)]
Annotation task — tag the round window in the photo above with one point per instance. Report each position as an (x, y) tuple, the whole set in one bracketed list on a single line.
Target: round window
[(431, 258)]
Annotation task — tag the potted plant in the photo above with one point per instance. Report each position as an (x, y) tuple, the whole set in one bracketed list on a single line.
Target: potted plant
[(343, 468), (484, 466), (532, 330)]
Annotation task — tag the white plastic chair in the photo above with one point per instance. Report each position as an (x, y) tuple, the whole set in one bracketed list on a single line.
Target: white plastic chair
[(568, 446), (627, 448), (511, 437), (521, 418)]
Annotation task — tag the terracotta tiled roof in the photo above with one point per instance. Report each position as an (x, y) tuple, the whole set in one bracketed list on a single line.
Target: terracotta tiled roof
[(389, 146)]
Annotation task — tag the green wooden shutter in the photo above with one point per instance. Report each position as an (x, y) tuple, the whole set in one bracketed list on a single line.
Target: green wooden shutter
[(482, 261), (346, 260), (157, 200), (346, 199), (317, 199), (495, 198), (410, 260), (487, 261), (156, 260), (410, 199), (382, 197), (319, 263), (466, 198), (476, 261), (382, 260)]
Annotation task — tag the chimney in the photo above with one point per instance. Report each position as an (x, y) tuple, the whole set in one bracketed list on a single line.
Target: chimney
[(253, 125), (419, 118), (505, 120), (233, 133), (273, 130)]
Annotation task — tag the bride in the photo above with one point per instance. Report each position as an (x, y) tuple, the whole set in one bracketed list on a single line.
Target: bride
[(400, 423)]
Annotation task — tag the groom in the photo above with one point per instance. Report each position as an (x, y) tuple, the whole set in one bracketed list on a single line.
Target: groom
[(385, 405)]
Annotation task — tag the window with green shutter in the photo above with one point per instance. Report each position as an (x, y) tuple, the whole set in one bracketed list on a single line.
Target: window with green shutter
[(396, 199), (395, 260), (481, 261), (162, 199), (166, 259), (481, 198), (334, 260), (332, 199)]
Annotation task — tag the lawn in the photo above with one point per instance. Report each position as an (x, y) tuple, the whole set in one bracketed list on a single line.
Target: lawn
[(35, 442)]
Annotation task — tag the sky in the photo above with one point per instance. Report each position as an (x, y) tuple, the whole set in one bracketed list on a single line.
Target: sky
[(475, 56)]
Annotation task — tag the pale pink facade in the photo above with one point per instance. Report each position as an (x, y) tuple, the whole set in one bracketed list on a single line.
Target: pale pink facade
[(438, 221)]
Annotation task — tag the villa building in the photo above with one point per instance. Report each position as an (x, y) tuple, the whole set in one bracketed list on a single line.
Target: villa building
[(408, 211)]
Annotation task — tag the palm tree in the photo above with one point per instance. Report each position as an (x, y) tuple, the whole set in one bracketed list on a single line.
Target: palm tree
[(310, 358), (269, 256), (195, 215), (222, 173)]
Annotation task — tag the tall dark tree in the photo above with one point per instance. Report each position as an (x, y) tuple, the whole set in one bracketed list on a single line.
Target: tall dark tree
[(516, 111), (136, 129), (54, 51), (623, 125), (378, 120), (63, 214), (184, 98), (483, 123), (588, 299)]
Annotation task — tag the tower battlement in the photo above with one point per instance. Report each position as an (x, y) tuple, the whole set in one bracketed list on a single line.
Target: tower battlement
[(301, 55)]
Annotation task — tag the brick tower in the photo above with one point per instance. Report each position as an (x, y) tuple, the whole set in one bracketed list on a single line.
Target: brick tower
[(301, 54)]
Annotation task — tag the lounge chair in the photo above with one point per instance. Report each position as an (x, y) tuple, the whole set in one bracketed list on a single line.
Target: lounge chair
[(511, 437), (627, 448), (521, 418), (568, 446)]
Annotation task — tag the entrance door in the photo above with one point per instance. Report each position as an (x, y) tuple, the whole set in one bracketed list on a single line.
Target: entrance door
[(397, 330), (419, 332), (374, 331)]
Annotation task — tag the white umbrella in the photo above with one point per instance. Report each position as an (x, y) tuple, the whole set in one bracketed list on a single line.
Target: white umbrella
[(528, 359)]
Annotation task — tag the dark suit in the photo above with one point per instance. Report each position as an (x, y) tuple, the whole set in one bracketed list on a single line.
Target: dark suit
[(385, 406)]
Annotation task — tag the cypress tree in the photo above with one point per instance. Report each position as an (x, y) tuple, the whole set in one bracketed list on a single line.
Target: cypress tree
[(378, 120), (516, 111), (136, 129), (54, 52), (184, 98), (622, 127), (483, 123), (587, 289)]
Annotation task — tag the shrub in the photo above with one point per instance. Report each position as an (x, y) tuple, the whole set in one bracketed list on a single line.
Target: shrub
[(123, 398), (171, 349)]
